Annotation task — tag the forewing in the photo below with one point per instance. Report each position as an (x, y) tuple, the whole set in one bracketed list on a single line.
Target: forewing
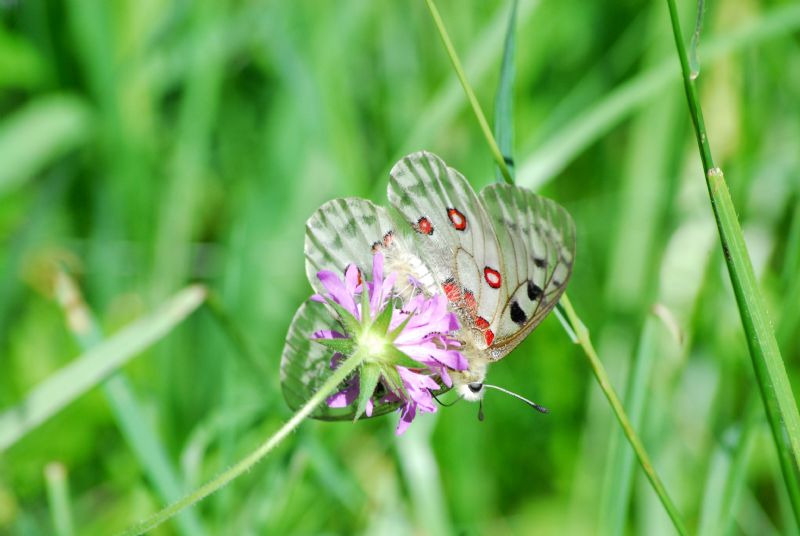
[(453, 235), (537, 241), (305, 364), (343, 232)]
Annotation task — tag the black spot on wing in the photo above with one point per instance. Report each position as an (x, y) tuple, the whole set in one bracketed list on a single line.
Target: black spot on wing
[(517, 314), (539, 262), (534, 291)]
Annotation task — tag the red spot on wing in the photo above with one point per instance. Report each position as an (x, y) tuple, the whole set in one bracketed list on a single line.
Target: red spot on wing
[(359, 275), (472, 305), (492, 277), (481, 323), (488, 336), (451, 290), (457, 218), (423, 226)]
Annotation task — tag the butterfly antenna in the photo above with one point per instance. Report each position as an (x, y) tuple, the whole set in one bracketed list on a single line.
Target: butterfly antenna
[(442, 403), (534, 405)]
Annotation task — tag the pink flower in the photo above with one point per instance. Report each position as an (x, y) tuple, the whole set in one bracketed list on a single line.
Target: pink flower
[(421, 330)]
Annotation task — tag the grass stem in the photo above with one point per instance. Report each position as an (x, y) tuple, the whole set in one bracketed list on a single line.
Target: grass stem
[(605, 384), (771, 376), (473, 100), (330, 385), (580, 330)]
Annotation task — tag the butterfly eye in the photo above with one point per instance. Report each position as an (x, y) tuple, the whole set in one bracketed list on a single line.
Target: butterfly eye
[(475, 387)]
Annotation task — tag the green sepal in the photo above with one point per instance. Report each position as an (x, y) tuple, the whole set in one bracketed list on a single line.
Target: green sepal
[(392, 378), (369, 376), (344, 346), (365, 311), (349, 322), (381, 324), (398, 358), (399, 329)]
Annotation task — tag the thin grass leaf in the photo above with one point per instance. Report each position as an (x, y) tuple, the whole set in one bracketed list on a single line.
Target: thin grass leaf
[(694, 62), (605, 384), (620, 467), (347, 367), (421, 473), (776, 391), (33, 137), (55, 475), (727, 476), (544, 163), (95, 365), (504, 99), (473, 100), (578, 327), (131, 418)]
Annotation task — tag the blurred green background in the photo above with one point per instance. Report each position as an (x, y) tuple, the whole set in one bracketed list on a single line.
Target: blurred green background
[(152, 143)]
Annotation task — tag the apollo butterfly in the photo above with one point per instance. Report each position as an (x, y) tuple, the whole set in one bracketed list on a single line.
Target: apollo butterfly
[(502, 258)]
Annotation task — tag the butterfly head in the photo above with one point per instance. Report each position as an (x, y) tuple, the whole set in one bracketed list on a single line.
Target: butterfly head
[(469, 384)]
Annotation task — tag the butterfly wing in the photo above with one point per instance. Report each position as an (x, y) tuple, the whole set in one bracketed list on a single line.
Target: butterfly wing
[(305, 364), (341, 232), (537, 241), (454, 237)]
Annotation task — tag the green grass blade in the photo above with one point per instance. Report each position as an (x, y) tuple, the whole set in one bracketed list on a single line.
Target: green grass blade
[(563, 146), (727, 477), (93, 366), (638, 447), (776, 392), (131, 418), (421, 473), (333, 381), (473, 100), (34, 136), (578, 326), (620, 468), (504, 100), (55, 475)]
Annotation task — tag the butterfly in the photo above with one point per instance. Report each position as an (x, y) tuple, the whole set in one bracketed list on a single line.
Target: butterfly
[(502, 258)]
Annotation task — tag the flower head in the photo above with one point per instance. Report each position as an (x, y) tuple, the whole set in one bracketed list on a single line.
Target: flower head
[(407, 348)]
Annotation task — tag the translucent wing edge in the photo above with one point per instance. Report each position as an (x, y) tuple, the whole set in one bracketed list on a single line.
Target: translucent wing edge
[(305, 364), (560, 220), (341, 232)]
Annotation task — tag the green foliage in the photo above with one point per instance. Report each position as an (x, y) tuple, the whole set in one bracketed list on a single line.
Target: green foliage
[(190, 141)]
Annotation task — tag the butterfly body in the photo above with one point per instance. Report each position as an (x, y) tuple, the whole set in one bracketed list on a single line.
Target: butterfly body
[(502, 257)]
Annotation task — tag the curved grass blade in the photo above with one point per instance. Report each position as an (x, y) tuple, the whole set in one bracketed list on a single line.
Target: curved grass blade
[(95, 365), (39, 133), (504, 100), (544, 163), (128, 412)]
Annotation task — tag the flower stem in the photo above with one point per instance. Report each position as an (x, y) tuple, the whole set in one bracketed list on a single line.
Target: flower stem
[(776, 391), (602, 378), (582, 333), (473, 100), (329, 387)]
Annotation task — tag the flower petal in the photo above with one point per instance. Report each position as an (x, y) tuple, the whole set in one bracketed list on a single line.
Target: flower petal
[(328, 334), (337, 290), (407, 414), (376, 294), (345, 397), (351, 283)]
